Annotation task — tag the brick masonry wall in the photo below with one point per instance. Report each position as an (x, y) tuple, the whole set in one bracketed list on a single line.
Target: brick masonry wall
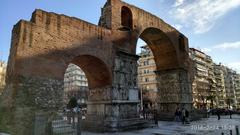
[(50, 42)]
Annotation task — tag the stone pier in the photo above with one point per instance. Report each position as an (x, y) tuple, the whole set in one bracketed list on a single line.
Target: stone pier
[(174, 90), (116, 107)]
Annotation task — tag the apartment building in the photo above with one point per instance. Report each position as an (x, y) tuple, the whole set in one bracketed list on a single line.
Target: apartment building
[(220, 85), (147, 82), (237, 90), (229, 80), (204, 83)]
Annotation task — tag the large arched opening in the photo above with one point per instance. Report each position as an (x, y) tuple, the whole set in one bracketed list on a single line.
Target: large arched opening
[(162, 48), (158, 71)]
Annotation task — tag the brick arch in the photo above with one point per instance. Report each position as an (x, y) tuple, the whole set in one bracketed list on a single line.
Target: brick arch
[(164, 51), (142, 21), (96, 70), (42, 47)]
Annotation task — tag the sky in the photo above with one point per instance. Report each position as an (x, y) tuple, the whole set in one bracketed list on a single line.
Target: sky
[(213, 26)]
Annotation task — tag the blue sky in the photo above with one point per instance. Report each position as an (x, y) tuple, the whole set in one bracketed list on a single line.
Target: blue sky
[(210, 25)]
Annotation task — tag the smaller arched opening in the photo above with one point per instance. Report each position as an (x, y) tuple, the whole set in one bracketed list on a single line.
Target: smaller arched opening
[(83, 74), (96, 71), (126, 18), (75, 85)]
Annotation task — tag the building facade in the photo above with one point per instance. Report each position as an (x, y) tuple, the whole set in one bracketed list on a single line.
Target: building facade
[(214, 85), (75, 84), (147, 82), (237, 90), (220, 85), (230, 81), (204, 83), (3, 67)]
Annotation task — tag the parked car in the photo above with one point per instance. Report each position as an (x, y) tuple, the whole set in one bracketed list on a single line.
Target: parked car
[(222, 111)]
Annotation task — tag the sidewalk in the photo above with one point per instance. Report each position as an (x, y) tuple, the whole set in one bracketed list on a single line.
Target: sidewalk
[(206, 126)]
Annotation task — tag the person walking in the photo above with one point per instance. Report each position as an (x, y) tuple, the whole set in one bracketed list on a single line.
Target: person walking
[(144, 113), (155, 117), (177, 114), (187, 116), (218, 114), (230, 113), (183, 115)]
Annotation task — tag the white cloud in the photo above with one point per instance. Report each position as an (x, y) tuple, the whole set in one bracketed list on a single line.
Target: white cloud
[(178, 26), (228, 45), (201, 15), (178, 3), (235, 66), (206, 50)]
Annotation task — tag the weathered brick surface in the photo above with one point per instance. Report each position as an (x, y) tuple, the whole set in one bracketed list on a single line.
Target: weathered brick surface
[(42, 48)]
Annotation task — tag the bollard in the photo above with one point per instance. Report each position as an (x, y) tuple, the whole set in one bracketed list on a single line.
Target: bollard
[(222, 133), (230, 132), (237, 130)]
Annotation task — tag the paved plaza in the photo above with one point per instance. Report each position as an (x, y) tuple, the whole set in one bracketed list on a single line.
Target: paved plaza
[(206, 126)]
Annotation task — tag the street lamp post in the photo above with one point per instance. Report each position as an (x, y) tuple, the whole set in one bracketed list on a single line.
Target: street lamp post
[(141, 94)]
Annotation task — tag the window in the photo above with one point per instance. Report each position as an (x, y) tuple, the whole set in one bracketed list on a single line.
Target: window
[(146, 63), (147, 71), (126, 16)]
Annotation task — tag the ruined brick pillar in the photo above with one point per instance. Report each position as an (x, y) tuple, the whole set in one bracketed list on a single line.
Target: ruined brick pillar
[(174, 90)]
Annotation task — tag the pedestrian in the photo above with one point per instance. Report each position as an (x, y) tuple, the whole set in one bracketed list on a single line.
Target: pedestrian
[(155, 117), (144, 112), (208, 113), (183, 115), (230, 113), (177, 114), (218, 114), (187, 116)]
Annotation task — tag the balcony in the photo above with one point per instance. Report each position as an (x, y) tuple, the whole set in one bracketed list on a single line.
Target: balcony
[(146, 66), (148, 82), (147, 74), (201, 62)]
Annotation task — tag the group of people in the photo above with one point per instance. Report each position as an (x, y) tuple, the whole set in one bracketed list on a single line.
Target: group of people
[(150, 113), (182, 115)]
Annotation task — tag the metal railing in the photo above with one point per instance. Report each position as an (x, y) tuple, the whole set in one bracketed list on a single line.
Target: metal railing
[(68, 123)]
